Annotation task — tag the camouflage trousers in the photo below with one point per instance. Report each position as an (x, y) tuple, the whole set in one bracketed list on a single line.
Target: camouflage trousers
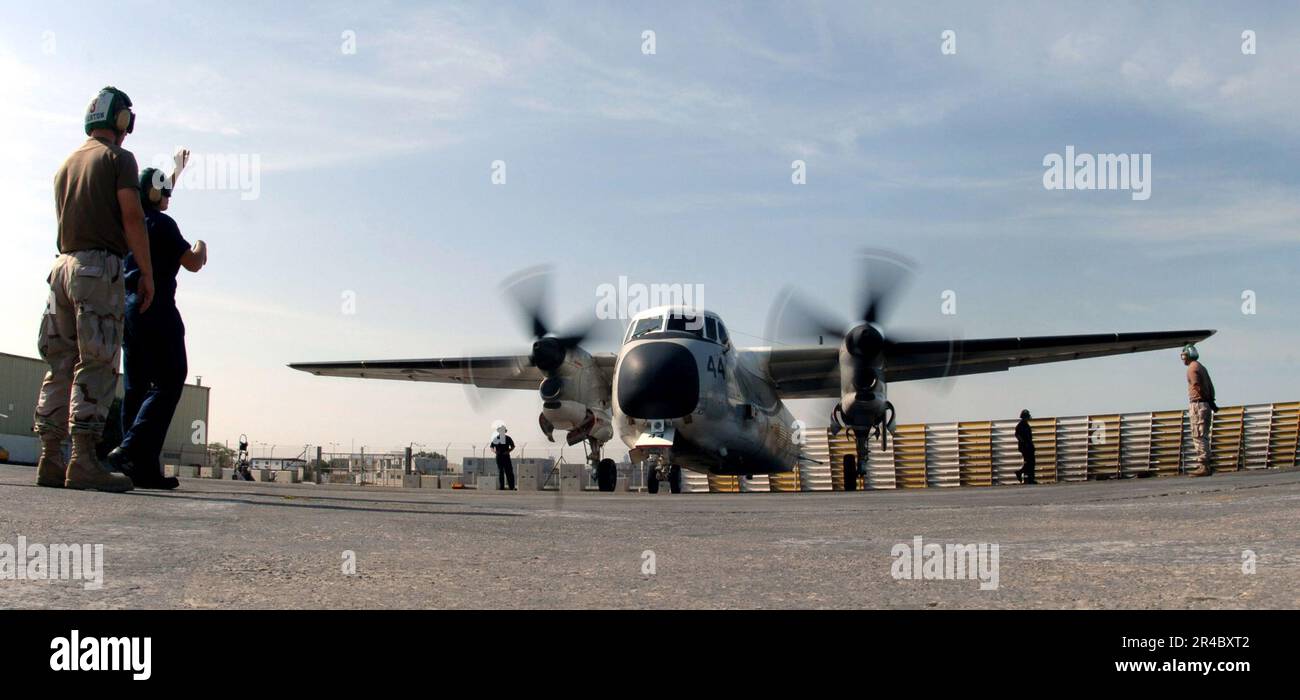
[(1198, 414), (81, 341)]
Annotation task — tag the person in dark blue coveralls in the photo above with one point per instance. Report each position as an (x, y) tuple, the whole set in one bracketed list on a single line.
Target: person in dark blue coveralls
[(1025, 443), (153, 348)]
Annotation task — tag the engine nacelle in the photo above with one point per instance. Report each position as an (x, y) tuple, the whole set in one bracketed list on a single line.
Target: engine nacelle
[(575, 398), (864, 395)]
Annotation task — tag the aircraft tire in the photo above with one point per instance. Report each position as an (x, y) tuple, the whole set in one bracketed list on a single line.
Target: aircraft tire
[(675, 479), (606, 475), (850, 473), (652, 480)]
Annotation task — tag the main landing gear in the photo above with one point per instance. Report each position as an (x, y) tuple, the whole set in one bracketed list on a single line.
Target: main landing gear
[(657, 470), (855, 465), (605, 469)]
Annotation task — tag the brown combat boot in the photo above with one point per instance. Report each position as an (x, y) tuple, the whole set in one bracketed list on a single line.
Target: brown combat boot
[(51, 469), (1200, 471), (85, 471)]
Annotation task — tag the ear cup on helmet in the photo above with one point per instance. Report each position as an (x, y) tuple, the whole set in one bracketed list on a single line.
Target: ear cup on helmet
[(110, 109), (155, 195)]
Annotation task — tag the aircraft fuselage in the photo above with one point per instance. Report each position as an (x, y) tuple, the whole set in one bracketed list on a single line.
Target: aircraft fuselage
[(687, 398)]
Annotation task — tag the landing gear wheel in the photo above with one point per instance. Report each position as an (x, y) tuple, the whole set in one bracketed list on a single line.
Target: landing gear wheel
[(606, 475), (652, 480), (675, 479), (850, 473)]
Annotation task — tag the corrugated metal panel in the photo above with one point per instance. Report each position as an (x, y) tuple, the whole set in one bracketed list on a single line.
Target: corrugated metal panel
[(757, 484), (1135, 444), (785, 481), (1072, 449), (1167, 441), (1075, 448), (816, 476), (1045, 450), (1006, 453), (841, 445), (975, 453), (909, 456), (880, 467), (1254, 450), (1229, 429), (1103, 446), (942, 463), (724, 484), (1284, 435), (1189, 449), (880, 463), (692, 482)]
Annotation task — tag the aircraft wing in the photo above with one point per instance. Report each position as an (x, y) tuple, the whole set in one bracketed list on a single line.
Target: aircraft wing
[(809, 372), (492, 372)]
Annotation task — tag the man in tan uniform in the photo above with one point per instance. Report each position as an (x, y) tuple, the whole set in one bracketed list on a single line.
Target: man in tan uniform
[(97, 202), (1201, 407)]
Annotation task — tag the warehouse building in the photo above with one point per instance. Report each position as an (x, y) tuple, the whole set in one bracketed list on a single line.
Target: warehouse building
[(20, 380)]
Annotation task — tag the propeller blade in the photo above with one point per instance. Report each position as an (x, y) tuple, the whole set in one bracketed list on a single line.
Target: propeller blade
[(884, 274), (530, 291), (796, 320), (480, 399)]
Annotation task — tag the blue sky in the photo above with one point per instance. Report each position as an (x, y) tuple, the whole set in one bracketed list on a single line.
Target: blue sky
[(675, 168)]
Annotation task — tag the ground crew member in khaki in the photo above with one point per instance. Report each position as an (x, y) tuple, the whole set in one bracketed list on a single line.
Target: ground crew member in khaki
[(1200, 409), (97, 203)]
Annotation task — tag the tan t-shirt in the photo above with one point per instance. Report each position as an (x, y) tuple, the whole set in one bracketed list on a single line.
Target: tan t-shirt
[(85, 197), (1199, 386)]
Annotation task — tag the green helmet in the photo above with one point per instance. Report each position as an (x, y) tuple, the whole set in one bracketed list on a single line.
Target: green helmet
[(1190, 351), (110, 108), (153, 187)]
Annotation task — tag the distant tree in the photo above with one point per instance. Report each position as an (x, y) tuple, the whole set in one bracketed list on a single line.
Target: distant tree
[(221, 455), (430, 455)]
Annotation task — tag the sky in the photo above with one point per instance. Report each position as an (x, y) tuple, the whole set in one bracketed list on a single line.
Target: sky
[(367, 224)]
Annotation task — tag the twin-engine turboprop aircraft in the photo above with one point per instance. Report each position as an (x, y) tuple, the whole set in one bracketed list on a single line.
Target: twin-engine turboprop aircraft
[(681, 394)]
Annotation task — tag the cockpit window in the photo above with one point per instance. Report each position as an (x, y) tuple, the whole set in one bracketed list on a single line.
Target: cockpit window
[(686, 324), (698, 325), (643, 326)]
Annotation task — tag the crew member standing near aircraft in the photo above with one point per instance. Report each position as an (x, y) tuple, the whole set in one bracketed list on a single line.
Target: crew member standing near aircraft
[(154, 350), (503, 445), (97, 204), (1025, 443), (1200, 407)]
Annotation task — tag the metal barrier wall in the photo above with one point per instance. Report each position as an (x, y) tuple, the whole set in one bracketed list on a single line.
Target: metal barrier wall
[(1073, 448)]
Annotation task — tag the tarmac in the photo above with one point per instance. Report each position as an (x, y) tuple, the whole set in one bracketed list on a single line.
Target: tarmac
[(1230, 541)]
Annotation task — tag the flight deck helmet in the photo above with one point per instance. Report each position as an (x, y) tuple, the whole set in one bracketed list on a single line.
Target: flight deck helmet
[(110, 108)]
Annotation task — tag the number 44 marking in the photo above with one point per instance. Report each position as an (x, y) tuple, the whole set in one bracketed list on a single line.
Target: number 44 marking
[(716, 368)]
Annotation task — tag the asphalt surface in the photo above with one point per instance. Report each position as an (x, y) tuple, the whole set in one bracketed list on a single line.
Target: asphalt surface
[(1148, 543)]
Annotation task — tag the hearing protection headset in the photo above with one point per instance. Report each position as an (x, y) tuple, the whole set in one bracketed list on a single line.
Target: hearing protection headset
[(152, 186), (110, 109)]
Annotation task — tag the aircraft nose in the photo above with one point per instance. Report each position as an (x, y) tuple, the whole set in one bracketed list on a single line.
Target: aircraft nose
[(658, 380)]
